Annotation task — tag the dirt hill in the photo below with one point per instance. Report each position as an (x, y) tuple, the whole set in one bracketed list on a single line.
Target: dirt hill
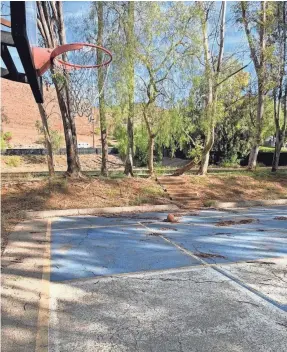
[(19, 106)]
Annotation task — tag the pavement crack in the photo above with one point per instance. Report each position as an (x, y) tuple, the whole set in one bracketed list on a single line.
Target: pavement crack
[(253, 304), (282, 324), (278, 277), (273, 285), (175, 280)]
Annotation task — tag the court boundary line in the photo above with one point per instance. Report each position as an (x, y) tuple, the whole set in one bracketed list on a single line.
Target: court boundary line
[(42, 337)]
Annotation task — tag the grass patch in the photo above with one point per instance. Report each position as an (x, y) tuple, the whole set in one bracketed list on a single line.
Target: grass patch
[(13, 161), (239, 186), (209, 203), (270, 149), (153, 190)]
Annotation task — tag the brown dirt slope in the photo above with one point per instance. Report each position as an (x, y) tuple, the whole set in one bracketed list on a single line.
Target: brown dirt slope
[(191, 191), (18, 104)]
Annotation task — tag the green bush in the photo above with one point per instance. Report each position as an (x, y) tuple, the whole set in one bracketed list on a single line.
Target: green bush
[(7, 136), (5, 139), (56, 138), (231, 162), (3, 144), (13, 161), (97, 131), (120, 135), (209, 203)]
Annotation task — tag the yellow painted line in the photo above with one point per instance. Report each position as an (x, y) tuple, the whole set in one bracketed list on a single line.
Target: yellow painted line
[(42, 338)]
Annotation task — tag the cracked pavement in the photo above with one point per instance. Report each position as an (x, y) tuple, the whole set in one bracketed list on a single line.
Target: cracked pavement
[(113, 287), (186, 310)]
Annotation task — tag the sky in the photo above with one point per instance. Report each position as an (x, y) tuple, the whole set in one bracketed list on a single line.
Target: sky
[(235, 38)]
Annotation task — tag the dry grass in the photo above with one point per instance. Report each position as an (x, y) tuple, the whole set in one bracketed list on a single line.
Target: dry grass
[(235, 222), (60, 193), (241, 186), (29, 163)]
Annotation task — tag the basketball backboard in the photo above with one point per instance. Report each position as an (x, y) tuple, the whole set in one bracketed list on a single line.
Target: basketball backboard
[(18, 36)]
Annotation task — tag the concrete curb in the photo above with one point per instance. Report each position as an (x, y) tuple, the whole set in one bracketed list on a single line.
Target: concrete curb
[(249, 203), (95, 211)]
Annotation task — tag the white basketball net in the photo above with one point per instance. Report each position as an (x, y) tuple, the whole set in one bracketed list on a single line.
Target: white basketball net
[(81, 84)]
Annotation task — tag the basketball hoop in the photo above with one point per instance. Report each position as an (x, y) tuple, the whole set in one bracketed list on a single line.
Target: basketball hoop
[(76, 67)]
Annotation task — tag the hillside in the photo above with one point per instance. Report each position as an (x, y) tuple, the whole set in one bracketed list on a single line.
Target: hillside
[(18, 104)]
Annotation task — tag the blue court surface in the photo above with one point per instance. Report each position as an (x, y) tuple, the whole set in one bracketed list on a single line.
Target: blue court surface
[(90, 246)]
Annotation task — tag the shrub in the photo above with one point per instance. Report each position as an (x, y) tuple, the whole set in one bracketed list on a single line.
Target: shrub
[(209, 203), (13, 161), (3, 144), (56, 138), (5, 139), (7, 136), (231, 162), (97, 131)]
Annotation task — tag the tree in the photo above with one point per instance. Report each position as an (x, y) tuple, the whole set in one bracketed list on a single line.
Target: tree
[(279, 71), (211, 79), (255, 26), (118, 23), (158, 54), (101, 81), (212, 76), (51, 27), (48, 143), (232, 131), (130, 57)]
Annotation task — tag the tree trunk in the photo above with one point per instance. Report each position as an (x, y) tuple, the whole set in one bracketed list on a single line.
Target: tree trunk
[(259, 117), (150, 155), (280, 133), (103, 122), (280, 130), (183, 169), (259, 61), (130, 47), (52, 30), (204, 163), (50, 158), (253, 157), (129, 157), (206, 152), (74, 169), (276, 156), (279, 140)]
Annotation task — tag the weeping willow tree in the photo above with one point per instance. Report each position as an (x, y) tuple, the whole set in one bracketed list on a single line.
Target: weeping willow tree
[(130, 76), (162, 40)]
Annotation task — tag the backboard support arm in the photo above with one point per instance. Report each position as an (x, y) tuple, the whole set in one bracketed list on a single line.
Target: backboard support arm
[(19, 34)]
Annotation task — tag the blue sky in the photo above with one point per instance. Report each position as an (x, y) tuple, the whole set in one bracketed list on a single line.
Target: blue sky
[(235, 38)]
